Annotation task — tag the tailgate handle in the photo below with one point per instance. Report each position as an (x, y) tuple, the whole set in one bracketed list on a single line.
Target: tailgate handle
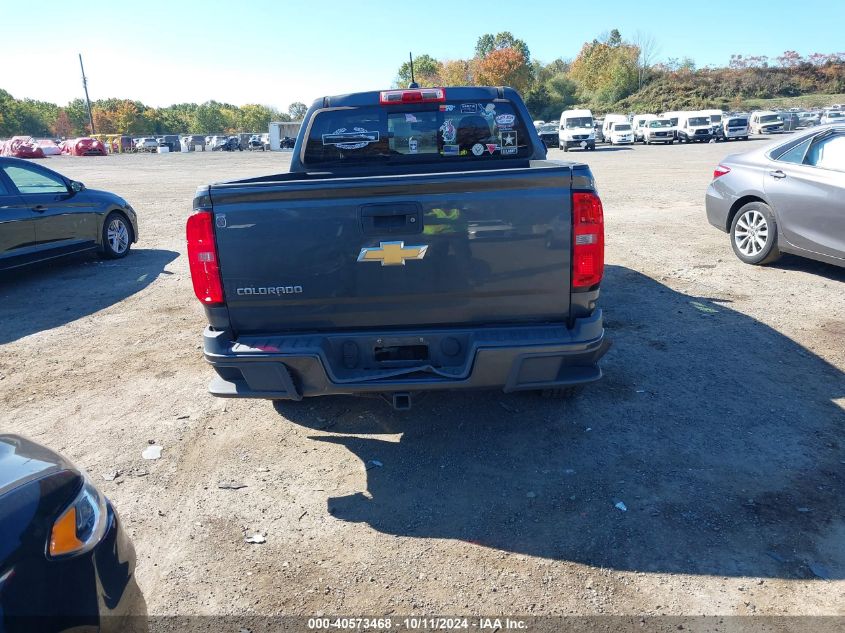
[(378, 219)]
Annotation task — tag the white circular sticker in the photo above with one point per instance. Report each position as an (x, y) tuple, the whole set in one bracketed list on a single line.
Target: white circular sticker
[(478, 149)]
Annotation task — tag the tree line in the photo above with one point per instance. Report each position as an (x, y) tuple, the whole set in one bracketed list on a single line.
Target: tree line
[(124, 116), (613, 73), (610, 73)]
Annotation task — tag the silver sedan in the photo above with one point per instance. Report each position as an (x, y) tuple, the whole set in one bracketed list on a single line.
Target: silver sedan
[(785, 197)]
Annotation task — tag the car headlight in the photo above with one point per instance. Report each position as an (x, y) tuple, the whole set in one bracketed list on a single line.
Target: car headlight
[(81, 526)]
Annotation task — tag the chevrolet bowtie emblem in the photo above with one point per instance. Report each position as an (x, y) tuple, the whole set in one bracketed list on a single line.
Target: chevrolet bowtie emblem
[(392, 253)]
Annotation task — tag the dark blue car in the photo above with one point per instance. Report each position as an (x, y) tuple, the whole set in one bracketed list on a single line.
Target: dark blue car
[(65, 561), (45, 215)]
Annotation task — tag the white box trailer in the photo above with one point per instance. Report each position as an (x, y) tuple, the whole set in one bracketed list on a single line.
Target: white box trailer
[(281, 129)]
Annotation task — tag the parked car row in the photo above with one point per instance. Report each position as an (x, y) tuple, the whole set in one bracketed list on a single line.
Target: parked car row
[(578, 128)]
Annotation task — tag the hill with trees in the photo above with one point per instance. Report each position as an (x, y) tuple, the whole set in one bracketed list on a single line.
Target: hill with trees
[(614, 74)]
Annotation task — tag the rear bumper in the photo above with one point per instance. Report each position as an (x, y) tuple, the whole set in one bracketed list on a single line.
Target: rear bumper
[(507, 358)]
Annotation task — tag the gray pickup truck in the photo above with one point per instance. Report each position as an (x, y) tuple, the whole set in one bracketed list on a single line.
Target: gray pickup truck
[(421, 241)]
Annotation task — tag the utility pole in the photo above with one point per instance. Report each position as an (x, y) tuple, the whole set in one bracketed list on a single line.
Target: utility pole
[(87, 100)]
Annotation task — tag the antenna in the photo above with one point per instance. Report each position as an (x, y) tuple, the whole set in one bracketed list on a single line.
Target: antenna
[(87, 100), (413, 83)]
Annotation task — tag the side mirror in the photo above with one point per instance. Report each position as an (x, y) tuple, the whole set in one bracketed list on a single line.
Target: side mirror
[(76, 186)]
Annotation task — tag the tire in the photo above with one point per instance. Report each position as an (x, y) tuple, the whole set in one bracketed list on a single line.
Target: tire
[(117, 236), (565, 147), (753, 222), (672, 142), (591, 147)]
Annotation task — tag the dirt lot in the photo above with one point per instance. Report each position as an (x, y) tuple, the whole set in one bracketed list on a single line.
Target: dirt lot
[(719, 425)]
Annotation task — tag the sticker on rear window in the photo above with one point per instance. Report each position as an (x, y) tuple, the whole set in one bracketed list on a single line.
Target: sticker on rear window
[(505, 120), (447, 107), (478, 149), (356, 139), (469, 108), (509, 138), (449, 131), (451, 150)]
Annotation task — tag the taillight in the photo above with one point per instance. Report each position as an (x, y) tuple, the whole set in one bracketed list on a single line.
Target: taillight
[(418, 95), (202, 258), (587, 240), (720, 171)]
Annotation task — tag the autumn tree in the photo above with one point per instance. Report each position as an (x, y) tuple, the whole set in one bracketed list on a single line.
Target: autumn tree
[(606, 71), (456, 72), (489, 43), (502, 67)]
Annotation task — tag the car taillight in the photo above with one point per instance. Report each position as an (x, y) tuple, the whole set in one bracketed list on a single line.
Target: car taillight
[(419, 95), (587, 240), (202, 258), (720, 171)]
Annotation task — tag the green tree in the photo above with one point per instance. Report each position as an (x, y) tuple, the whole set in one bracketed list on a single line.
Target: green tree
[(297, 110), (208, 119), (426, 72)]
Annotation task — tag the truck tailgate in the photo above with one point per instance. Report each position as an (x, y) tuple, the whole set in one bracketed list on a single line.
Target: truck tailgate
[(474, 247)]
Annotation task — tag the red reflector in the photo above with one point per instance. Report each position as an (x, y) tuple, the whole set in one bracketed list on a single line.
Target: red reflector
[(721, 170), (588, 240), (202, 258), (421, 95)]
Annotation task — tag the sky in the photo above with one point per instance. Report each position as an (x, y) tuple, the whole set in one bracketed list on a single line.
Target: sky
[(275, 53)]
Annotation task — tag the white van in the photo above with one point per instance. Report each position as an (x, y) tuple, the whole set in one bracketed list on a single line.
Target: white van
[(621, 133), (639, 123), (733, 126), (673, 117), (765, 122), (658, 131), (609, 121), (715, 118), (694, 127), (576, 130)]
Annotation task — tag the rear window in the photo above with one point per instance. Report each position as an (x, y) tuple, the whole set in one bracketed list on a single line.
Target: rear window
[(738, 123), (416, 133)]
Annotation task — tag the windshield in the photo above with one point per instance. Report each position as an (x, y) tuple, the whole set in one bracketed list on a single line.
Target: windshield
[(548, 128), (425, 133), (660, 124), (699, 120), (622, 127), (769, 118), (715, 118), (579, 121), (835, 115)]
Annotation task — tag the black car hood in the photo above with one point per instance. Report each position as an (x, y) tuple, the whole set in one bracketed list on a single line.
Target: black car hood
[(22, 460)]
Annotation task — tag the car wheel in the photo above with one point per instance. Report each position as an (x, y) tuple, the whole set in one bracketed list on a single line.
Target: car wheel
[(117, 236), (670, 142), (754, 234), (565, 147)]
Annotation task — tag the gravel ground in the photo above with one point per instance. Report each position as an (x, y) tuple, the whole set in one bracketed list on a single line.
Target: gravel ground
[(719, 425)]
